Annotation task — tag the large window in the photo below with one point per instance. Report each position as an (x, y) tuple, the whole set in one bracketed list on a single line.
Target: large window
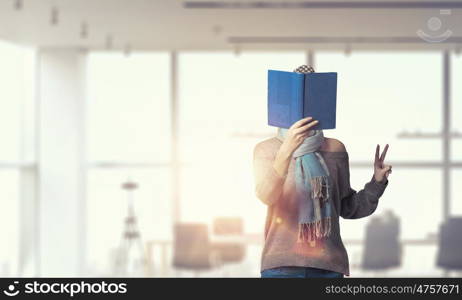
[(456, 105), (17, 149), (382, 98), (128, 109), (222, 116), (456, 120), (128, 138), (382, 95)]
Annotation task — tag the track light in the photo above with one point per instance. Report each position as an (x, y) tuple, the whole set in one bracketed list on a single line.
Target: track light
[(83, 30), (54, 16), (127, 50), (217, 29), (18, 4), (237, 50), (109, 41), (347, 50)]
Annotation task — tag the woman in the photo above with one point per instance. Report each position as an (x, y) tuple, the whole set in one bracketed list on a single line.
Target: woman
[(304, 180)]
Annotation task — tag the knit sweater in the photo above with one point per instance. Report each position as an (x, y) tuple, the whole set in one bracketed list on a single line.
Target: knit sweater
[(281, 226)]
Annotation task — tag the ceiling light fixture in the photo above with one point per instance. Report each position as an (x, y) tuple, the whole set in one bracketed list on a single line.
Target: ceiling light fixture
[(217, 29), (54, 16), (84, 30), (109, 41), (127, 50), (18, 4), (237, 50), (347, 50)]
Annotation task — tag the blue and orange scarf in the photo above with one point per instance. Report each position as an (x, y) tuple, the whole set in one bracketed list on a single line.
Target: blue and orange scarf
[(312, 188)]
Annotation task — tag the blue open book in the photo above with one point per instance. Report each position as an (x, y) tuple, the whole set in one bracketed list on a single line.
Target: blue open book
[(293, 96)]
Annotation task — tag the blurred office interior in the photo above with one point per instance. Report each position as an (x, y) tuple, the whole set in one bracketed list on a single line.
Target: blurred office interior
[(116, 116)]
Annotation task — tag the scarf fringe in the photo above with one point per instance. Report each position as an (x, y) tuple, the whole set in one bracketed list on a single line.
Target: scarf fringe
[(320, 194), (309, 232), (320, 188)]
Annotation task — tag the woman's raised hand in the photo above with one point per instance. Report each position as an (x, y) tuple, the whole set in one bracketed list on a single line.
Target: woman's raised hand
[(381, 170), (297, 133)]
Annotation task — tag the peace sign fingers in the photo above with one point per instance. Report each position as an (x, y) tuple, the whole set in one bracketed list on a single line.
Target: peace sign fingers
[(380, 159), (381, 170)]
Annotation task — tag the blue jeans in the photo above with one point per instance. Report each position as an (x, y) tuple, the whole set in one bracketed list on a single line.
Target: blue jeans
[(299, 272)]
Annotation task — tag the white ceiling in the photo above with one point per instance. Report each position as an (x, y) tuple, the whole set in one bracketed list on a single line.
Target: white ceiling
[(168, 25)]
